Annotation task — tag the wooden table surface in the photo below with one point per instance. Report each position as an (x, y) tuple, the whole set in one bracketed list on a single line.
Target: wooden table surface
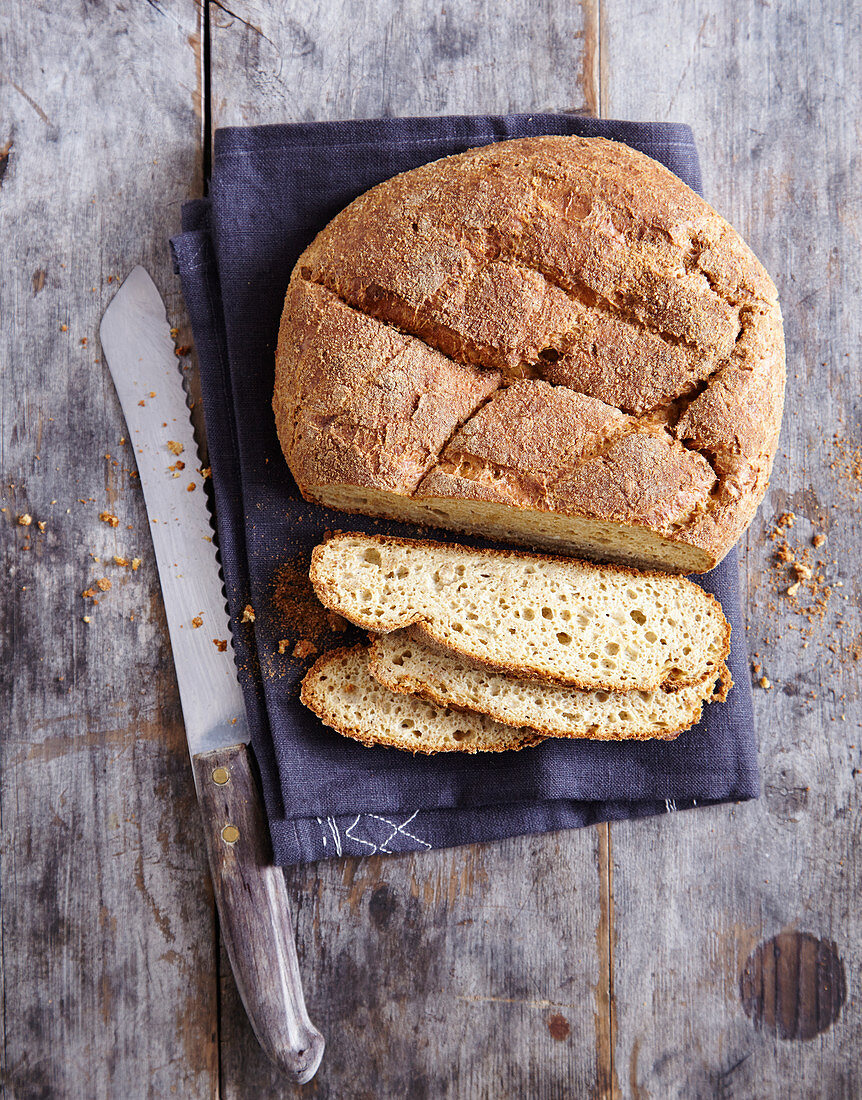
[(634, 960)]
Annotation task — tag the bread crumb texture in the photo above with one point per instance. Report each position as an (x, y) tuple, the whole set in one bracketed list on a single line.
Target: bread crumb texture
[(565, 621), (341, 691), (551, 341), (405, 664)]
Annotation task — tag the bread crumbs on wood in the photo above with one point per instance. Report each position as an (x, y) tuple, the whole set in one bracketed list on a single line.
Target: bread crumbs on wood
[(220, 644), (174, 447), (109, 518), (24, 520)]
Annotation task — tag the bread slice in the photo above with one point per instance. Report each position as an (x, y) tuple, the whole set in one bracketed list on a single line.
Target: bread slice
[(593, 627), (341, 691), (403, 663)]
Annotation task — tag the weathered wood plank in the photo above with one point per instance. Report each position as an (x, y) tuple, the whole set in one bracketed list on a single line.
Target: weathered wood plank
[(108, 943), (468, 972), (295, 62), (478, 971), (773, 93)]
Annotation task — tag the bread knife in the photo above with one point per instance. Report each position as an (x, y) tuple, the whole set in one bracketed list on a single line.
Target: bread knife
[(250, 892)]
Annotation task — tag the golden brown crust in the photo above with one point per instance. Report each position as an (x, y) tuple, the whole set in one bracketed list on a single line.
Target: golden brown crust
[(576, 264), (326, 591), (360, 402)]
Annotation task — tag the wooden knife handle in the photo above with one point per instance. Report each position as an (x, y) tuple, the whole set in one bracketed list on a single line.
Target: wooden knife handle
[(254, 912)]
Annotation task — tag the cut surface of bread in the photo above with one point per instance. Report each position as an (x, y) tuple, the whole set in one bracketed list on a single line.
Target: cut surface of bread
[(345, 696), (577, 624), (405, 664), (552, 341)]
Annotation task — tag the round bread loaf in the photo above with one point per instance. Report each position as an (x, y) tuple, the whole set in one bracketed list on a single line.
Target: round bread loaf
[(551, 341)]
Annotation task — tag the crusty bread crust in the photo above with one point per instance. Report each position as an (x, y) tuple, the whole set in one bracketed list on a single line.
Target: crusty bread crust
[(327, 590), (319, 699), (554, 324)]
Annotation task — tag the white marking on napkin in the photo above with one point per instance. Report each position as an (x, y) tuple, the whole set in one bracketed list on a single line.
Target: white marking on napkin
[(358, 839)]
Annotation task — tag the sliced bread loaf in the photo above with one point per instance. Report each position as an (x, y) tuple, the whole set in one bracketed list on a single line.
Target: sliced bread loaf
[(403, 663), (342, 692), (557, 619)]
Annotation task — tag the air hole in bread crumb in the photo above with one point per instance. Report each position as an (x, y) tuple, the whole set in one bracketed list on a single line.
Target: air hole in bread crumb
[(563, 638), (638, 617), (529, 614), (612, 649), (547, 613), (650, 636)]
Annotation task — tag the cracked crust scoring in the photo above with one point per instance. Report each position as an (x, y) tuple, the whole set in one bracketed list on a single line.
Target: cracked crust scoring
[(637, 339)]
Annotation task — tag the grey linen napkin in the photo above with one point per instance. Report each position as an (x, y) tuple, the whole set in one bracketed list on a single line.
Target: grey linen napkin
[(273, 188)]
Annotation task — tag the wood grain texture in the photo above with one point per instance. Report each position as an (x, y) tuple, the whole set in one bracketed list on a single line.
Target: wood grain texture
[(468, 972), (254, 913), (773, 94), (108, 935), (297, 62)]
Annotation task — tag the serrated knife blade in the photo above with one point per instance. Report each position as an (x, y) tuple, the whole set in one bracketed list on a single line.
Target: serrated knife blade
[(250, 893), (137, 343)]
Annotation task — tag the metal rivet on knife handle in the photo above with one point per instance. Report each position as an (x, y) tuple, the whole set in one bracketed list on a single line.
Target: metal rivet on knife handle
[(230, 834), (221, 776)]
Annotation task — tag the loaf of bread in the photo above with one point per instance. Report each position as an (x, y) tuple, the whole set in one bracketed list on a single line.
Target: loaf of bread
[(345, 696), (406, 664), (594, 627), (551, 341)]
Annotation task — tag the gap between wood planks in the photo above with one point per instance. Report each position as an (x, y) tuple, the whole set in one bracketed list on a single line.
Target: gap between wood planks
[(206, 65), (595, 91), (607, 1086)]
